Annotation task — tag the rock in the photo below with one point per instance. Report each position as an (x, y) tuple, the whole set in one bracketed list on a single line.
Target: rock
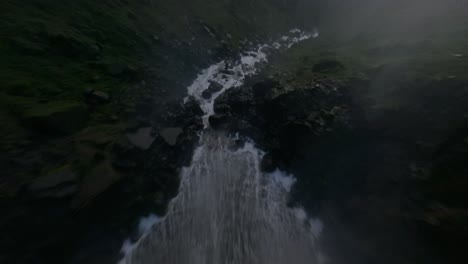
[(206, 94), (192, 108), (102, 96), (60, 183), (60, 193), (313, 116), (215, 87), (93, 96), (267, 164), (262, 89), (142, 138), (56, 117), (171, 134), (97, 180), (222, 108), (59, 177), (217, 120)]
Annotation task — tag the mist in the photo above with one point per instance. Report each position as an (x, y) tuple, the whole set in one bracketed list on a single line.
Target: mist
[(234, 131)]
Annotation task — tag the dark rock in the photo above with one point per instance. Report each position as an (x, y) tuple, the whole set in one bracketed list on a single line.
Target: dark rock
[(215, 87), (218, 120), (61, 176), (96, 97), (101, 96), (222, 108), (96, 181), (267, 163), (171, 134), (142, 138), (56, 117), (192, 107), (264, 88), (60, 193), (227, 72), (206, 94), (60, 183)]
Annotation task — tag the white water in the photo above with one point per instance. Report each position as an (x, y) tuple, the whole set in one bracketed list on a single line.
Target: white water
[(228, 211)]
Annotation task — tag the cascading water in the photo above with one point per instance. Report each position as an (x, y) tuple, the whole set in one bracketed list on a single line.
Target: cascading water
[(228, 211)]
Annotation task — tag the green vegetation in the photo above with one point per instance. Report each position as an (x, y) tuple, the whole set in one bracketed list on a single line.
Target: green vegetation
[(52, 52), (77, 75)]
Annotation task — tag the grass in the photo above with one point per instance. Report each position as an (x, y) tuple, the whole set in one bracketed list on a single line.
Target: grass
[(434, 59), (53, 51)]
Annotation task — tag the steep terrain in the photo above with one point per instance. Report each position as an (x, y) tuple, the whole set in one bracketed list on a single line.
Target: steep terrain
[(370, 118), (93, 132)]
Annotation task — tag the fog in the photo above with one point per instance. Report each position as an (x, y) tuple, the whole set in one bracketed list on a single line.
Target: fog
[(398, 19)]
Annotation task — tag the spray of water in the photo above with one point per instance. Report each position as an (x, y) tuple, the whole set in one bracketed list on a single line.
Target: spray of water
[(228, 211)]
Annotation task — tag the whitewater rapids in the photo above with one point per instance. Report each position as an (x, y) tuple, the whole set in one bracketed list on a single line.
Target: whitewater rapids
[(227, 210)]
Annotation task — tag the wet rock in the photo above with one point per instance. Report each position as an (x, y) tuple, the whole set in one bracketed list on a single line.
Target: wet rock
[(206, 94), (267, 163), (142, 138), (213, 88), (227, 72), (171, 134), (218, 120), (222, 108), (192, 108)]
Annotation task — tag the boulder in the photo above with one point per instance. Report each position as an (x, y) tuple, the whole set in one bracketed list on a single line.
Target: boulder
[(222, 108), (60, 183), (218, 120), (267, 164), (97, 180), (142, 138), (171, 134), (215, 87), (58, 177), (192, 108), (60, 117), (206, 94), (93, 96)]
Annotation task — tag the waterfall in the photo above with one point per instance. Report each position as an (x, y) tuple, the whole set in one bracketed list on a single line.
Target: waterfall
[(227, 210)]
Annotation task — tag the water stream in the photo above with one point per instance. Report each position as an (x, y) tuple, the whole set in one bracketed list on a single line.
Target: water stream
[(227, 210)]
